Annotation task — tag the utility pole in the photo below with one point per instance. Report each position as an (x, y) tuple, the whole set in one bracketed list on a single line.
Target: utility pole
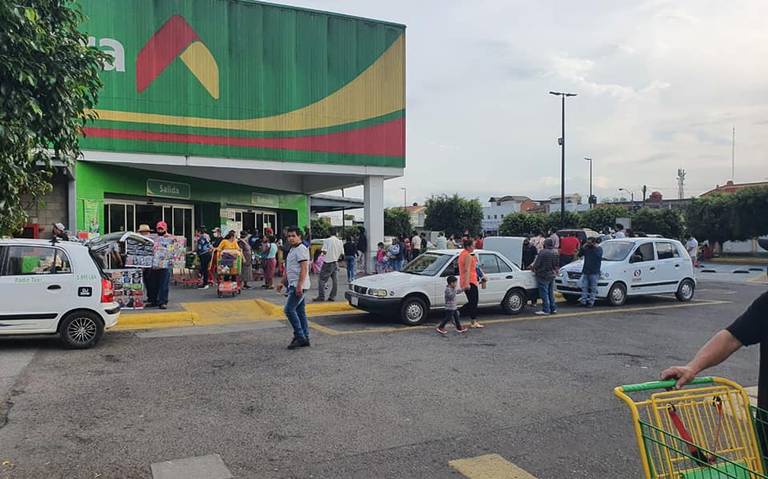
[(591, 199), (562, 96), (405, 197), (733, 155), (680, 184), (645, 189)]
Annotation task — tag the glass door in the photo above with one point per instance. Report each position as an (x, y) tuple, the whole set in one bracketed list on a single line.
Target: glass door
[(180, 223)]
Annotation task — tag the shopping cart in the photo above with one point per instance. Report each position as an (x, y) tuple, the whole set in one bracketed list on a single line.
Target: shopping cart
[(229, 263), (709, 431)]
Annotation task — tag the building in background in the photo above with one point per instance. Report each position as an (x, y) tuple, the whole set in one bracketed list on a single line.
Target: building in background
[(418, 215), (731, 187), (233, 113), (572, 203), (499, 207)]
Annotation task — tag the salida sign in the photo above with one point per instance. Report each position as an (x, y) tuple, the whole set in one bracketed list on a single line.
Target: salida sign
[(168, 189)]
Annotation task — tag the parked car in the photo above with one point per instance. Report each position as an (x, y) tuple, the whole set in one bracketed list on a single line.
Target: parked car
[(511, 247), (54, 288), (635, 267), (419, 288)]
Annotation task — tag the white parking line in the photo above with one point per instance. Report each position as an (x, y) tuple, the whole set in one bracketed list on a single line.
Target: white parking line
[(201, 467)]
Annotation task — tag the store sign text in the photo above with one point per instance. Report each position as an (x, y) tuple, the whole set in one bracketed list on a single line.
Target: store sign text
[(111, 47), (168, 189)]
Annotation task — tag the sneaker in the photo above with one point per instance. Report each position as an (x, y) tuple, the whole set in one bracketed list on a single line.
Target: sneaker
[(295, 343), (304, 343), (331, 300), (462, 330), (475, 324), (441, 330), (541, 313), (318, 300), (553, 312), (163, 306)]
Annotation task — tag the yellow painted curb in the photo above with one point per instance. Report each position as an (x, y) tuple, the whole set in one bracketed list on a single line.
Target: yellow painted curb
[(172, 319), (489, 466)]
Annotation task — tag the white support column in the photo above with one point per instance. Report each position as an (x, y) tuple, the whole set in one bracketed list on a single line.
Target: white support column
[(373, 198)]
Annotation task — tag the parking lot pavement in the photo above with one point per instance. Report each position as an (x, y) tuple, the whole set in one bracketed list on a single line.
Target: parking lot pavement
[(535, 393)]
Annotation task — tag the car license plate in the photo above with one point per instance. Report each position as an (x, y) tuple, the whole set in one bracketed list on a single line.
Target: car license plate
[(354, 300)]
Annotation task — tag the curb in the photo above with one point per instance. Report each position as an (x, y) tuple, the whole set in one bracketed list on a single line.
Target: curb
[(257, 309), (758, 261)]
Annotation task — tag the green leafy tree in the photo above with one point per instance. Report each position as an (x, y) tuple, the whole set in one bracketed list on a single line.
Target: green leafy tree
[(397, 222), (453, 214), (711, 218), (750, 213), (602, 217), (523, 224), (49, 79), (321, 227), (665, 222), (572, 220)]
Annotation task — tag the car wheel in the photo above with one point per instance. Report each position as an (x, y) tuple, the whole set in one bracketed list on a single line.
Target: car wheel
[(413, 311), (514, 302), (685, 290), (81, 329), (571, 298), (617, 295)]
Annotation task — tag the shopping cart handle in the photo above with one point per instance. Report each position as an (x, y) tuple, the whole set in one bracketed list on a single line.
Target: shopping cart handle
[(670, 383)]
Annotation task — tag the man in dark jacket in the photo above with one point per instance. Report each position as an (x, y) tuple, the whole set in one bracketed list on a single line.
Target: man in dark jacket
[(529, 254), (590, 271), (545, 266)]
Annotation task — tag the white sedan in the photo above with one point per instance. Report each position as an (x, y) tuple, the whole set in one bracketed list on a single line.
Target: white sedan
[(634, 267), (420, 287)]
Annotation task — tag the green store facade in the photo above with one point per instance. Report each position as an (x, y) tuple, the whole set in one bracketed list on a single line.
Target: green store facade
[(233, 113)]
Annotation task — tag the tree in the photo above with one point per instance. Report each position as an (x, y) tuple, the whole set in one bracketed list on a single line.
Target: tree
[(665, 222), (572, 220), (749, 213), (711, 218), (49, 79), (453, 215), (523, 224), (397, 221), (321, 227), (602, 217)]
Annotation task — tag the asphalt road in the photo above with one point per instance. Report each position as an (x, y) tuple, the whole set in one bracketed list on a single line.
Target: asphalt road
[(369, 399)]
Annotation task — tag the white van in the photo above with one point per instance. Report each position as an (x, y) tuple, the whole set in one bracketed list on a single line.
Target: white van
[(634, 267), (54, 288)]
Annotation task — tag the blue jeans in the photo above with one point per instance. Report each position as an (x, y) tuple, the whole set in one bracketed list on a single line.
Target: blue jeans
[(163, 279), (350, 268), (547, 295), (397, 264), (296, 313), (588, 288)]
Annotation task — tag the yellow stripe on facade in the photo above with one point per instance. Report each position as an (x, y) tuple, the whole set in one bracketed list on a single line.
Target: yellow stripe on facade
[(201, 63), (489, 466), (378, 91)]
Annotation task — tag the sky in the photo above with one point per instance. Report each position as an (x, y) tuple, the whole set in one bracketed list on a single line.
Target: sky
[(660, 84)]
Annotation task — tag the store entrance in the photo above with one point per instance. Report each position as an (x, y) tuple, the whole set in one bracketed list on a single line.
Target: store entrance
[(122, 215), (257, 221)]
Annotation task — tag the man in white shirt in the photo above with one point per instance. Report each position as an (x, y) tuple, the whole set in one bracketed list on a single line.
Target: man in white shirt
[(332, 250), (619, 232), (416, 245), (441, 242), (692, 246)]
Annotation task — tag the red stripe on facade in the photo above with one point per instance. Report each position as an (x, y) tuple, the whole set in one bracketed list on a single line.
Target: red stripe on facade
[(386, 139), (165, 45)]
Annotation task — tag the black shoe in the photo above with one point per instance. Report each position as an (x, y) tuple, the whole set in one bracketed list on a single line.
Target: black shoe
[(318, 300), (163, 306), (304, 343), (331, 300), (295, 343)]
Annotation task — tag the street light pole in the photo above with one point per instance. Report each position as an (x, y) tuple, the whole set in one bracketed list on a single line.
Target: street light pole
[(631, 195), (405, 197), (590, 182), (562, 96)]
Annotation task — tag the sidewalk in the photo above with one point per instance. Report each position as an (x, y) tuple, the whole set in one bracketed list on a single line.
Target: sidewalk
[(202, 307)]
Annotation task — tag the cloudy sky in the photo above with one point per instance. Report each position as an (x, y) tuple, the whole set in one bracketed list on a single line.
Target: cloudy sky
[(660, 86)]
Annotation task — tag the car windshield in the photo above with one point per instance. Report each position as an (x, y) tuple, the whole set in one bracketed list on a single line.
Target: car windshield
[(616, 250), (428, 264)]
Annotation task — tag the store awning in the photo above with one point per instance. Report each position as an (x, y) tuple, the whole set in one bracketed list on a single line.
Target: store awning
[(328, 203)]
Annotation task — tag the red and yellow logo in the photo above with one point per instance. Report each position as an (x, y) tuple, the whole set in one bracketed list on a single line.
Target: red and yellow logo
[(177, 39)]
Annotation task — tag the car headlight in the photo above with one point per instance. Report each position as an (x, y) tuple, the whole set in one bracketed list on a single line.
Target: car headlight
[(379, 293), (605, 275)]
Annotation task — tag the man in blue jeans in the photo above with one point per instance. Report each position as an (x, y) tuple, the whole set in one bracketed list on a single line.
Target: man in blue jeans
[(590, 271), (546, 266), (296, 279)]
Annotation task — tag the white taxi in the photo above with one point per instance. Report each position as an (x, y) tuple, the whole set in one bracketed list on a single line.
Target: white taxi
[(634, 267), (420, 287), (54, 288)]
